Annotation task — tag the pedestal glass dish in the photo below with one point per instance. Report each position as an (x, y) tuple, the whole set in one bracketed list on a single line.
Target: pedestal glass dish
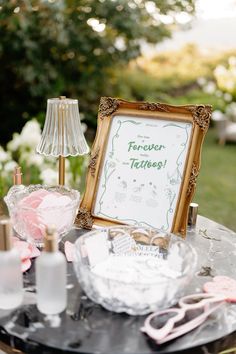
[(37, 206), (131, 269)]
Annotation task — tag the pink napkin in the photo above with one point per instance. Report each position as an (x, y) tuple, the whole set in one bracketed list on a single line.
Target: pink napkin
[(223, 285), (69, 251), (26, 251), (28, 213), (42, 208)]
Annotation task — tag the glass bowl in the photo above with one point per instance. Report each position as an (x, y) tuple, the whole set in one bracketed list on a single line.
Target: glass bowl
[(34, 207), (131, 269)]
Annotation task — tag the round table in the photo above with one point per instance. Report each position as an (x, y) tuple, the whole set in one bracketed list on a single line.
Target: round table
[(86, 327)]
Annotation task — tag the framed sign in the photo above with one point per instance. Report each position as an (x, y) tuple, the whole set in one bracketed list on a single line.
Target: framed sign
[(144, 164)]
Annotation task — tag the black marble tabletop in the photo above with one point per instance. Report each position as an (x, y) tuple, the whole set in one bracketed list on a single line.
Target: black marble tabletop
[(86, 327)]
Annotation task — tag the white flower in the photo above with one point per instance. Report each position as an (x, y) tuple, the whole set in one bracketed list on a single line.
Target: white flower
[(231, 111), (4, 156), (31, 125), (84, 127), (219, 93), (201, 81), (232, 61), (217, 115), (31, 134), (220, 70), (9, 166), (36, 160), (15, 143), (226, 77), (228, 97), (229, 84), (31, 158), (49, 176), (29, 137), (210, 87)]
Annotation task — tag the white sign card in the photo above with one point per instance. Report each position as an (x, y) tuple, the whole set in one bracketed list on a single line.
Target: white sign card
[(142, 170)]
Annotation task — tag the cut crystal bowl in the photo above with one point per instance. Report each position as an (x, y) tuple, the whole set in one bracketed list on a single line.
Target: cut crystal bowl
[(34, 207), (132, 269)]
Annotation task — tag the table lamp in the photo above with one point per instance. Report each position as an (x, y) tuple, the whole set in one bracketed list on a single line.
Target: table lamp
[(62, 134)]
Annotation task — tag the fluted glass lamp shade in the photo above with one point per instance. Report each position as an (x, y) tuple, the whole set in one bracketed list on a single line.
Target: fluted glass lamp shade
[(62, 134)]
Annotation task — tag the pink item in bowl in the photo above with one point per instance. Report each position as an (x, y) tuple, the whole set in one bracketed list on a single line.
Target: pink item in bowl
[(34, 199), (26, 251), (69, 251), (28, 212), (37, 206)]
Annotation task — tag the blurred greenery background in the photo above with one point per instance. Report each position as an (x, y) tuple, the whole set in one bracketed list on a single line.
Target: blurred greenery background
[(86, 49)]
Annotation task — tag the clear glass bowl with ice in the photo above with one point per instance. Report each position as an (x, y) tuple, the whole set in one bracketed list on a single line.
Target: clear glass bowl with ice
[(132, 269), (34, 207)]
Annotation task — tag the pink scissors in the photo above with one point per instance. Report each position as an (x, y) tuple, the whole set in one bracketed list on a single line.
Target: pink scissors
[(163, 326)]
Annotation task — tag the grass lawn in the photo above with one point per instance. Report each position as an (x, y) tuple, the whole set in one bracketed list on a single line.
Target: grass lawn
[(216, 185)]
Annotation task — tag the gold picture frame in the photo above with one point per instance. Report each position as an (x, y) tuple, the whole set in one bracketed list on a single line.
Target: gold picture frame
[(172, 166)]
